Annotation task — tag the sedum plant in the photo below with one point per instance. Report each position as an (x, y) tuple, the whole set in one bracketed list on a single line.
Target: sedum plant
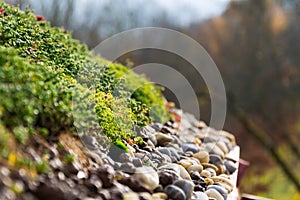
[(46, 77)]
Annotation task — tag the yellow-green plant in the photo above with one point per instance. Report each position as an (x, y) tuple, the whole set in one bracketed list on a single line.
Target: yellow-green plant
[(43, 71)]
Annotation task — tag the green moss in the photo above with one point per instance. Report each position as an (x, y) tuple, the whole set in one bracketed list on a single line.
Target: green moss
[(43, 71), (42, 167), (4, 141), (69, 158), (21, 133), (32, 96)]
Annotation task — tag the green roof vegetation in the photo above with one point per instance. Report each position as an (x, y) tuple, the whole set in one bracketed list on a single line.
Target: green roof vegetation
[(46, 77)]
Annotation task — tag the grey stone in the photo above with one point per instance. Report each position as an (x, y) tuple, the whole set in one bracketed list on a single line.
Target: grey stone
[(167, 177), (137, 162), (220, 189), (175, 192), (186, 186), (147, 176), (128, 168), (174, 156), (230, 166), (162, 138), (164, 150), (200, 196), (125, 157), (215, 159), (212, 193), (106, 174), (190, 147)]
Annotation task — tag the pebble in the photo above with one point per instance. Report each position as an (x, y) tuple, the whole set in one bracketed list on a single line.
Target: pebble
[(106, 174), (147, 176), (212, 172), (125, 157), (222, 146), (174, 155), (190, 147), (208, 165), (81, 175), (230, 166), (167, 177), (145, 196), (94, 184), (184, 174), (186, 186), (162, 138), (195, 168), (56, 163), (185, 163), (171, 166), (212, 193), (175, 192), (151, 144), (137, 162), (220, 189), (166, 159), (128, 168), (105, 194), (202, 156), (153, 139), (166, 129), (131, 196), (209, 181), (195, 175), (159, 196), (61, 176), (164, 150), (220, 179), (200, 196), (213, 148), (199, 188), (215, 159), (205, 173)]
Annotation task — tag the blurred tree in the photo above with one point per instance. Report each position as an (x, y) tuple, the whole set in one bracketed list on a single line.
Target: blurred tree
[(260, 69)]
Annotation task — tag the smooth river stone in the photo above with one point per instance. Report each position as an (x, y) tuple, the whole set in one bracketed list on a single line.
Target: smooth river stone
[(184, 174), (178, 169), (200, 196), (131, 196), (222, 146), (202, 156), (212, 148), (195, 168), (147, 176), (186, 186), (220, 189), (167, 177), (212, 171), (215, 159), (212, 193), (162, 138), (185, 163), (175, 192), (159, 196), (205, 173), (190, 147), (230, 166)]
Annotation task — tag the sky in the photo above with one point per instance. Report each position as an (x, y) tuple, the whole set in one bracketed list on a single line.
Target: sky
[(183, 11), (189, 11), (115, 14)]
